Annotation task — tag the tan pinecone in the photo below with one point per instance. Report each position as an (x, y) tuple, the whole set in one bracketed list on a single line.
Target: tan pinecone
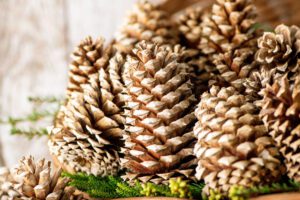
[(146, 22), (233, 146), (34, 180), (228, 40), (281, 114), (83, 63), (189, 25), (92, 127), (159, 117), (278, 55)]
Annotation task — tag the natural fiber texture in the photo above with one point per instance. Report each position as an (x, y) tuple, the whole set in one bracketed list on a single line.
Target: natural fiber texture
[(82, 66), (278, 54), (33, 180), (229, 41), (146, 22), (90, 136), (281, 114), (233, 146), (159, 117)]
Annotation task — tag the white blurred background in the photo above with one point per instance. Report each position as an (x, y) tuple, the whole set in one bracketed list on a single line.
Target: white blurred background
[(36, 39)]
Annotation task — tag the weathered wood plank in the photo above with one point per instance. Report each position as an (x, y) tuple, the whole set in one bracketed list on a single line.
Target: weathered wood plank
[(95, 18), (33, 62)]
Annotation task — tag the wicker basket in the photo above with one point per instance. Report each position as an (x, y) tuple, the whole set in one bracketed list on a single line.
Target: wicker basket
[(272, 12)]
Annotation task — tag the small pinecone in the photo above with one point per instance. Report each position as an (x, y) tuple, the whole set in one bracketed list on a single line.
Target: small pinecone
[(90, 136), (278, 54), (228, 41), (233, 146), (281, 114), (159, 117), (82, 66), (146, 22), (33, 180)]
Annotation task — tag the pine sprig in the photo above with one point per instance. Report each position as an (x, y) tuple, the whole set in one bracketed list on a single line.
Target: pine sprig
[(36, 117), (115, 187)]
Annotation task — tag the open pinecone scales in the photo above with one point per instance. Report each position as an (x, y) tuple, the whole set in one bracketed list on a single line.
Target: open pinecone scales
[(146, 22), (91, 134), (233, 146), (83, 59), (159, 117), (278, 55), (228, 41), (33, 180), (281, 114)]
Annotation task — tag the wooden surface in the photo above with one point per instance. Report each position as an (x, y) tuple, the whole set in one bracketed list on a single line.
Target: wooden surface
[(36, 38)]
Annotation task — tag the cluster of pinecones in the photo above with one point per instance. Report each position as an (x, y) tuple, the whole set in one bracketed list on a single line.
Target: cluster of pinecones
[(208, 97)]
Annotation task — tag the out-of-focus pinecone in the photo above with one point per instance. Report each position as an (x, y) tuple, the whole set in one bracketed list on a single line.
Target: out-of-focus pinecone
[(281, 114), (233, 146), (278, 54), (83, 63), (159, 117), (33, 180), (228, 40), (189, 25), (146, 22), (6, 187), (92, 127)]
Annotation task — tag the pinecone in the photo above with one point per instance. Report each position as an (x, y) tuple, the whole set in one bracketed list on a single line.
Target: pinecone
[(83, 59), (146, 22), (91, 134), (33, 180), (190, 29), (278, 54), (229, 41), (159, 117), (281, 114), (233, 146)]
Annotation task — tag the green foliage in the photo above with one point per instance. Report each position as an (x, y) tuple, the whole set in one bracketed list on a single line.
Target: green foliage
[(115, 187), (38, 115), (180, 188)]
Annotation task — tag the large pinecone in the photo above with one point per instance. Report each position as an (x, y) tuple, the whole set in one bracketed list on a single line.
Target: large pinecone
[(281, 114), (92, 124), (233, 146), (33, 180), (278, 54), (83, 63), (159, 117), (146, 22), (229, 41)]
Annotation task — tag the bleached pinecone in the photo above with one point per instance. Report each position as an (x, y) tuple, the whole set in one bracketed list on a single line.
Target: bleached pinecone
[(229, 41), (159, 117), (83, 63), (233, 146), (281, 114), (91, 134), (146, 22), (278, 54), (7, 190), (34, 180)]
